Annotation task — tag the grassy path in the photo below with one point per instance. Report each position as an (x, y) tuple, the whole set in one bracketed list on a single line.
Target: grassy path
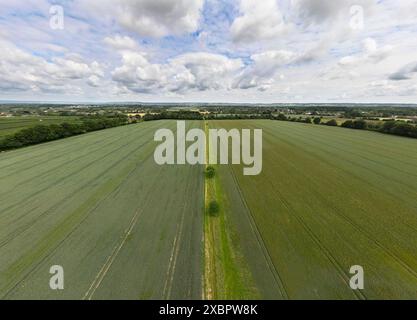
[(226, 275)]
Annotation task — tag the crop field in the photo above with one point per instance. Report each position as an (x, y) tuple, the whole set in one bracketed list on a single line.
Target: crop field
[(14, 124), (121, 226), (327, 199)]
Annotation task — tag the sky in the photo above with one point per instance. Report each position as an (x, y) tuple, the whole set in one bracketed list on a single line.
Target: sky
[(251, 51)]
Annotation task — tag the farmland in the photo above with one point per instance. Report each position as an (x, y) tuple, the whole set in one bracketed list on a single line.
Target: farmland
[(327, 199), (98, 205), (14, 124), (123, 227)]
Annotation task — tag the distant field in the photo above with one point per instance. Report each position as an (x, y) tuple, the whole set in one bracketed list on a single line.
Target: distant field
[(327, 199), (98, 205), (14, 124)]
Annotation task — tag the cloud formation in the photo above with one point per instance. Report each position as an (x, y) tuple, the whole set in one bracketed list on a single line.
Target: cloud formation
[(210, 50), (192, 71), (148, 18), (406, 72), (258, 21), (20, 71)]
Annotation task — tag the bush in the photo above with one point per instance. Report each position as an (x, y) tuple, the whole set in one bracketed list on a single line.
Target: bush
[(317, 120), (360, 125), (213, 208), (388, 125), (332, 123), (210, 172), (282, 117), (357, 124), (347, 124)]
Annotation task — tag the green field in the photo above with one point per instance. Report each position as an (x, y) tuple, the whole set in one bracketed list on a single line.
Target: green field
[(327, 199), (124, 228), (14, 124), (98, 205)]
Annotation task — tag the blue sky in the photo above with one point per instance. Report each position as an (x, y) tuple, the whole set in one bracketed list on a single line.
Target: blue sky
[(209, 50)]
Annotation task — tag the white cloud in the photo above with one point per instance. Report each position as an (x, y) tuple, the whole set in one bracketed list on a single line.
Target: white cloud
[(149, 18), (94, 81), (371, 53), (189, 72), (324, 11), (261, 73), (160, 17), (119, 42), (211, 71), (259, 20), (201, 71), (21, 71), (241, 50)]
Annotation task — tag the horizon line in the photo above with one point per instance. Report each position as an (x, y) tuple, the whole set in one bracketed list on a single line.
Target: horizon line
[(201, 103)]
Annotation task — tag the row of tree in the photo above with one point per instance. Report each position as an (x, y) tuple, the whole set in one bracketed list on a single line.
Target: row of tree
[(237, 116), (390, 127), (355, 124), (195, 115), (43, 133), (315, 120), (173, 115), (399, 129)]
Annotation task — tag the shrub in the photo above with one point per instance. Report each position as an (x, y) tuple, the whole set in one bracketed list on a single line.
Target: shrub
[(399, 129), (282, 117), (360, 124), (332, 123), (210, 172), (213, 208), (347, 124)]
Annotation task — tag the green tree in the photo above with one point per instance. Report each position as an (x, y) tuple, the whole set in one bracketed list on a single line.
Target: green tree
[(332, 123), (210, 172), (282, 117), (213, 208)]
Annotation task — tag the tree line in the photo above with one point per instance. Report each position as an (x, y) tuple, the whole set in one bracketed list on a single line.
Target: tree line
[(173, 115), (398, 128), (308, 120), (195, 115), (44, 133)]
